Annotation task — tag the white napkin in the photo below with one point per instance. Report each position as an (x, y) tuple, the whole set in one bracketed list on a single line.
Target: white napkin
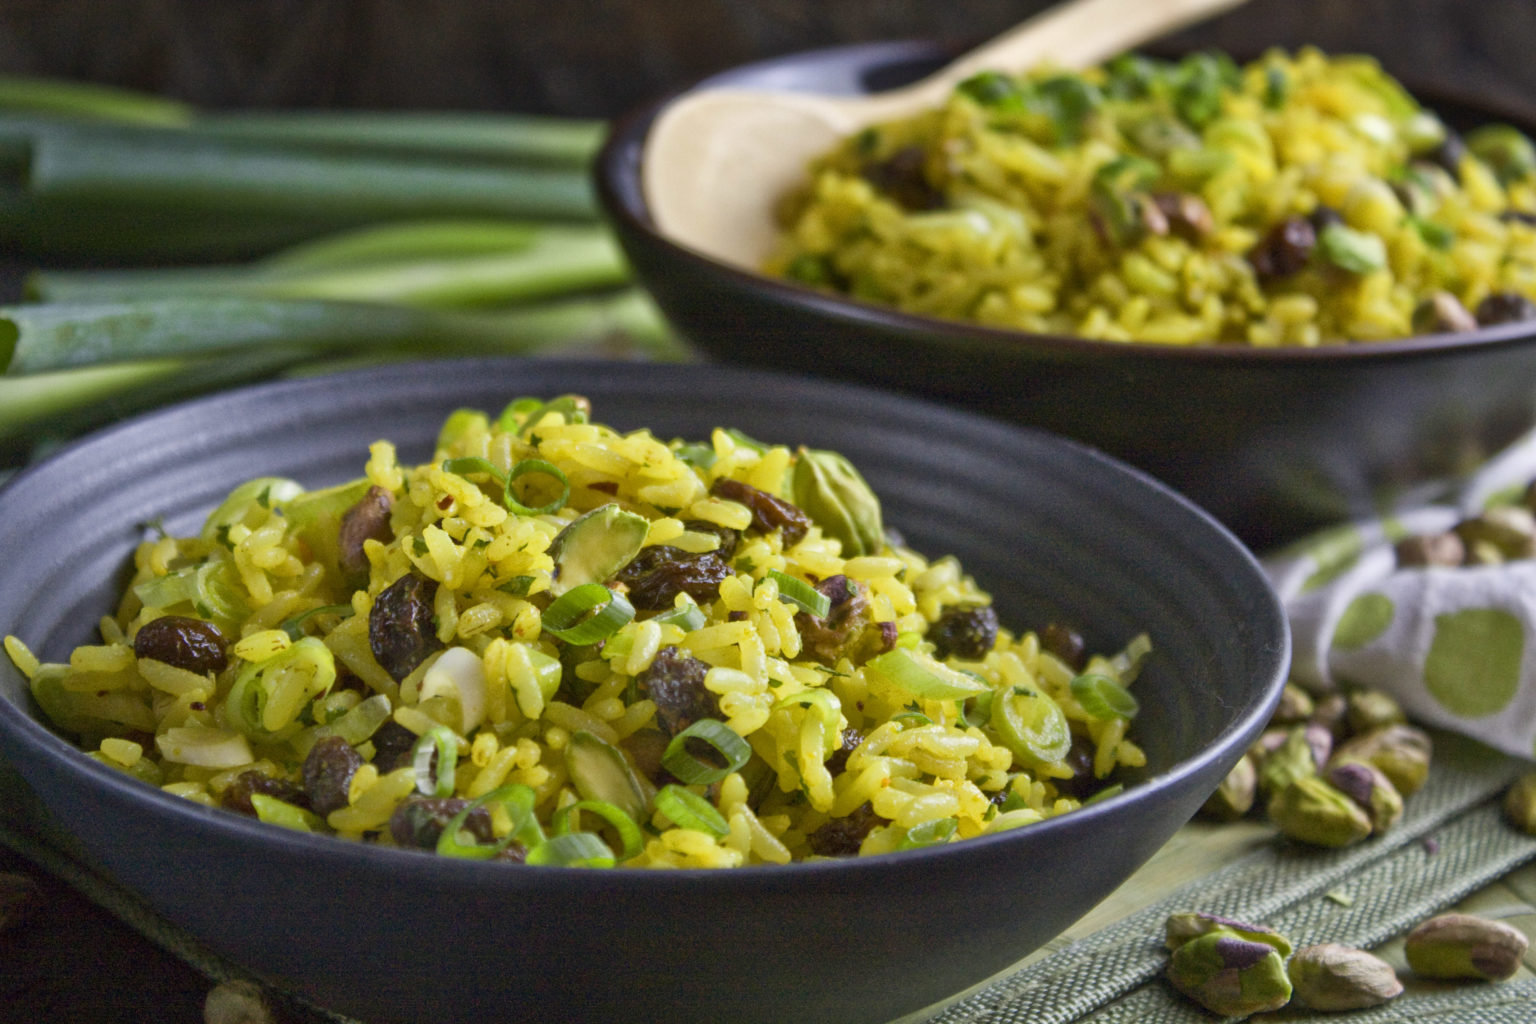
[(1455, 646)]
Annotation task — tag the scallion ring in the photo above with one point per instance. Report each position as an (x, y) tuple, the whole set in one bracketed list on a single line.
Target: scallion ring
[(801, 594), (434, 757), (688, 617), (572, 850), (1103, 697), (586, 614), (535, 467), (518, 801), (686, 809), (728, 746), (629, 833), (827, 709)]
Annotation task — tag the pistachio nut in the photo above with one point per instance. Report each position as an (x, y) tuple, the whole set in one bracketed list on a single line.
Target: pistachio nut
[(829, 490), (1304, 750), (1372, 709), (1296, 705), (1510, 530), (1331, 976), (1369, 787), (1328, 712), (1312, 810), (1191, 924), (1520, 803), (19, 896), (1234, 797), (1230, 975), (1465, 946), (1402, 752), (1431, 549)]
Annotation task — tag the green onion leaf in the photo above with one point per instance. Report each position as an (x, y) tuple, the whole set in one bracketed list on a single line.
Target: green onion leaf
[(922, 676), (730, 748), (586, 614), (572, 850), (629, 833), (434, 756), (1103, 697), (294, 627), (279, 812), (687, 617), (1358, 252), (518, 801), (1105, 794), (472, 464), (827, 709), (928, 833), (538, 467), (686, 809), (801, 594)]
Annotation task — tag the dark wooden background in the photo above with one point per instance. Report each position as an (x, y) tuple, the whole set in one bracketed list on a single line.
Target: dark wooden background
[(599, 57)]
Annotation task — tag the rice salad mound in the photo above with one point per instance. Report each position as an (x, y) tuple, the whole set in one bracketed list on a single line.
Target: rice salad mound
[(555, 643), (1301, 199)]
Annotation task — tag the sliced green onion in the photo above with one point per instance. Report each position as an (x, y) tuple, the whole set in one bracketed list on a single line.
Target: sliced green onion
[(1358, 252), (517, 411), (922, 676), (263, 492), (801, 594), (686, 809), (518, 800), (363, 720), (538, 467), (566, 405), (586, 614), (572, 850), (1103, 697), (687, 617), (1127, 664), (928, 833), (294, 627), (468, 464), (629, 833), (731, 748), (1030, 724), (280, 812), (434, 757), (695, 454), (268, 696), (1105, 794), (914, 718)]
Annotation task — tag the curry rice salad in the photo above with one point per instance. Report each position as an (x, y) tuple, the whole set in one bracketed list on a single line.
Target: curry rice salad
[(1302, 199), (560, 644)]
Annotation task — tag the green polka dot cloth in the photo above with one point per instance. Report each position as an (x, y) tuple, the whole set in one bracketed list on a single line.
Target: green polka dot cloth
[(1455, 645)]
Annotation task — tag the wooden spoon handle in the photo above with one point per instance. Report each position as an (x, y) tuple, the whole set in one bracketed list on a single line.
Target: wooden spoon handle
[(1075, 34)]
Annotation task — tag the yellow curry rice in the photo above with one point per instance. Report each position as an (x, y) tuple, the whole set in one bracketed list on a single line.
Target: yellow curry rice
[(559, 643), (1301, 199)]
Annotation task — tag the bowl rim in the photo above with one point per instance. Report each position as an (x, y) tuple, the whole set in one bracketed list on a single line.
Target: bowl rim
[(39, 744), (620, 195)]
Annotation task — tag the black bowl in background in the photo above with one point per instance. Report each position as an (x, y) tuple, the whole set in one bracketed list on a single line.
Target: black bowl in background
[(1274, 442), (1054, 530)]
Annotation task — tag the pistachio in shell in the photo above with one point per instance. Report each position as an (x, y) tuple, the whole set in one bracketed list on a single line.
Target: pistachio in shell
[(831, 491), (1372, 709), (1369, 787), (1402, 752), (1330, 976), (1465, 946), (1520, 803), (1234, 797)]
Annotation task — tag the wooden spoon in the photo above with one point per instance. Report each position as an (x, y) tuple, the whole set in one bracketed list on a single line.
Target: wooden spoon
[(717, 160)]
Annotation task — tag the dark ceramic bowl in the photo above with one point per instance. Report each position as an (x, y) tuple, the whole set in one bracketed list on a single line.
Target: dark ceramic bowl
[(1054, 530), (1273, 442)]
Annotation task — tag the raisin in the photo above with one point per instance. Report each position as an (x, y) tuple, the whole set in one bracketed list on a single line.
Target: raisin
[(846, 630), (1065, 643), (1285, 250), (903, 177), (367, 520), (400, 628), (182, 641), (419, 820), (841, 837), (1505, 308), (237, 795), (328, 771), (768, 512), (392, 746), (655, 577), (849, 740), (1080, 758), (675, 683), (964, 631)]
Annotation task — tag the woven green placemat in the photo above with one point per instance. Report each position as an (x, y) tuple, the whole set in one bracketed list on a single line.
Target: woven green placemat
[(1450, 843)]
